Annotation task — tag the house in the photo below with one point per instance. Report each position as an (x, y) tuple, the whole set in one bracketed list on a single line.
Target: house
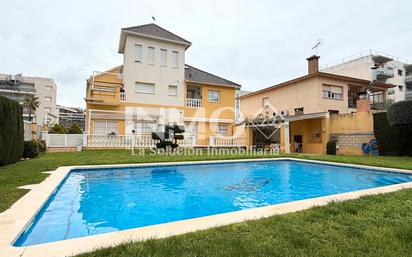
[(155, 87), (303, 114), (18, 87), (391, 69)]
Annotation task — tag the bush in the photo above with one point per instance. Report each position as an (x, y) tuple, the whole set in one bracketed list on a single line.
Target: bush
[(331, 148), (31, 149), (392, 140), (74, 129), (11, 131), (42, 145), (57, 129), (400, 113)]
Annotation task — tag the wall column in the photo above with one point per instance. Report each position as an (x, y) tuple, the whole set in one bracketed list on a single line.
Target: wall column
[(287, 136)]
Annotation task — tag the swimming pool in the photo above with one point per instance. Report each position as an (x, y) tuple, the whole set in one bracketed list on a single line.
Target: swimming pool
[(96, 201)]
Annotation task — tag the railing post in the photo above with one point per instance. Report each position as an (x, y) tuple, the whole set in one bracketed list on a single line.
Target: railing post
[(84, 143)]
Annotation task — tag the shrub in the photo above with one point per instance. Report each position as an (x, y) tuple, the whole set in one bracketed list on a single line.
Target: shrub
[(74, 129), (31, 149), (57, 129), (331, 148), (11, 131), (42, 145), (392, 140), (400, 113)]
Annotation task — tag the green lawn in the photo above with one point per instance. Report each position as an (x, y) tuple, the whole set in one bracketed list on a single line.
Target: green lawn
[(371, 226)]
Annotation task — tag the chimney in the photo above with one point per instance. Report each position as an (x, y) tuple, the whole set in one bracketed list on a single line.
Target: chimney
[(313, 64)]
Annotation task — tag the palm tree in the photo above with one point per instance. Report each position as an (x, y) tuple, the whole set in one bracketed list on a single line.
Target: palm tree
[(31, 103)]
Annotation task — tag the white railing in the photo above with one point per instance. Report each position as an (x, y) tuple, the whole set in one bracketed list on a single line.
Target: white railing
[(129, 141), (363, 54), (122, 97), (120, 141), (194, 103), (223, 141)]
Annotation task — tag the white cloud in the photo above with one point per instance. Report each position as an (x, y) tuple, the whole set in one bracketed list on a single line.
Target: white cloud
[(255, 43)]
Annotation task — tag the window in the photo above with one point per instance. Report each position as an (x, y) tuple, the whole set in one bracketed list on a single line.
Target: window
[(299, 111), (145, 127), (138, 53), (47, 110), (49, 88), (172, 90), (265, 102), (376, 97), (332, 92), (222, 130), (163, 57), (151, 55), (213, 96), (105, 127), (333, 112), (145, 88), (47, 99), (175, 59), (400, 72)]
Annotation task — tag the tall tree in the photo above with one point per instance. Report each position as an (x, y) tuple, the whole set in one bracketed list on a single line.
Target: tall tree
[(31, 103)]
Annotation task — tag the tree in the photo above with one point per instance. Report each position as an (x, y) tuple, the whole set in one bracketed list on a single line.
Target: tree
[(400, 114), (57, 129), (74, 129), (31, 103)]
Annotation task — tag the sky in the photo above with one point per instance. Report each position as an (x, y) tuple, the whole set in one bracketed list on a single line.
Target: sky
[(254, 43)]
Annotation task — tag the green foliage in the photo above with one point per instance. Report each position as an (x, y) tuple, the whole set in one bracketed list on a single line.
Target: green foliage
[(392, 140), (42, 145), (331, 148), (57, 129), (400, 113), (31, 149), (74, 129), (31, 103), (11, 131)]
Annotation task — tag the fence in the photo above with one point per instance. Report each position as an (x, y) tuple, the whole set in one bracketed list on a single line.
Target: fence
[(63, 140), (219, 141), (129, 141)]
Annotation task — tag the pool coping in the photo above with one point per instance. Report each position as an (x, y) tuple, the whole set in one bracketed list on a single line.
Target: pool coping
[(19, 216)]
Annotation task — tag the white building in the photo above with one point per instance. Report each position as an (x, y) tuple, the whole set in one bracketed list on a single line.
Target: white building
[(45, 89), (391, 69)]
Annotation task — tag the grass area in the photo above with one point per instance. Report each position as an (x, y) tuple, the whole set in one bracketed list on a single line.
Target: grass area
[(31, 171), (370, 226)]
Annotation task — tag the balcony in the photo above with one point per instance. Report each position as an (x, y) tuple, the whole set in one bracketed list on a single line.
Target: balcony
[(193, 102), (408, 94), (384, 72), (408, 79)]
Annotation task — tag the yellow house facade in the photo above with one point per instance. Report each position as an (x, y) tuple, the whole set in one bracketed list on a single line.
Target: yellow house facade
[(154, 87)]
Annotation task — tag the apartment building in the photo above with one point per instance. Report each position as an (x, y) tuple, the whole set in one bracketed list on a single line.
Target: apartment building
[(68, 115), (303, 114), (13, 87), (155, 87), (18, 87), (390, 69)]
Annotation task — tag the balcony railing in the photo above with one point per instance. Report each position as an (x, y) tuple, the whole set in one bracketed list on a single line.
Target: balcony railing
[(384, 71), (408, 94), (193, 103), (408, 79)]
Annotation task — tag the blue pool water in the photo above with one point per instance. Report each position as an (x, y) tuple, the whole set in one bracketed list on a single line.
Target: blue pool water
[(96, 201)]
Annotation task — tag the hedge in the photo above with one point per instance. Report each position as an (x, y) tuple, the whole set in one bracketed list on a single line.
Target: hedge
[(392, 140), (400, 113), (11, 131)]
